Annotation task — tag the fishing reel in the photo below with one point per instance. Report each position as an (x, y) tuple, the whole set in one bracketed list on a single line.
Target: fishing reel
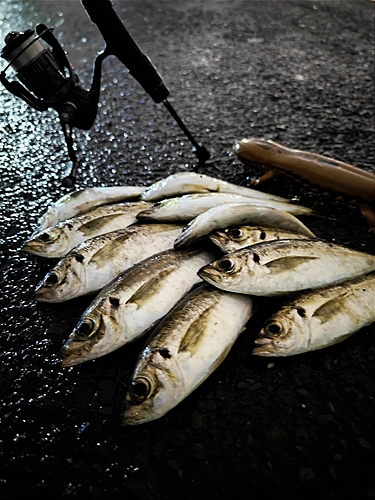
[(49, 81)]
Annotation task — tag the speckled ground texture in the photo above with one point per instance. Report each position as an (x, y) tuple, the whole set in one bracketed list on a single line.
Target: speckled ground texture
[(298, 72)]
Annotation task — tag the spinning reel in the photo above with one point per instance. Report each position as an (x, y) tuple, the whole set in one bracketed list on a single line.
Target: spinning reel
[(49, 81)]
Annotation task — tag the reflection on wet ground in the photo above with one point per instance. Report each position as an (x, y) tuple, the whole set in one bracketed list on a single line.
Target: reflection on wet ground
[(300, 73)]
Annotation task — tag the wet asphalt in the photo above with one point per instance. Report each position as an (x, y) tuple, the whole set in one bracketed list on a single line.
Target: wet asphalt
[(298, 72)]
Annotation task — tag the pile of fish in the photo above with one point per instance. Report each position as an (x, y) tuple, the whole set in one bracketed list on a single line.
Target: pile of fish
[(184, 261)]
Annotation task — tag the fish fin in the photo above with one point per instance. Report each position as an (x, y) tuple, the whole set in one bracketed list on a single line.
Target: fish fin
[(131, 307), (107, 251), (331, 308), (287, 263), (101, 255), (194, 335), (93, 226), (150, 287)]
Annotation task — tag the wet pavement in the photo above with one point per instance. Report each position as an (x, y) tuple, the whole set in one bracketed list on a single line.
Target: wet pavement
[(301, 73)]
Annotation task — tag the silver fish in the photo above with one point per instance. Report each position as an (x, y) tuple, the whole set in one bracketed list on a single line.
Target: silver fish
[(83, 200), (285, 266), (185, 348), (93, 264), (191, 182), (235, 238), (319, 318), (185, 208), (131, 304), (234, 214), (57, 241)]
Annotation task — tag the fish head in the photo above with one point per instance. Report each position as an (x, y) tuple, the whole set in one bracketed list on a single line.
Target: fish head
[(156, 387), (50, 242), (49, 219), (233, 238), (225, 273), (284, 334), (95, 335), (65, 281)]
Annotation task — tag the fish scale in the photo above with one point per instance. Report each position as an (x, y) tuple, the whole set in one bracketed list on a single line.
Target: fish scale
[(231, 240), (285, 266), (187, 207), (320, 318), (191, 182), (234, 214), (83, 200), (185, 348), (93, 264), (133, 302), (57, 241)]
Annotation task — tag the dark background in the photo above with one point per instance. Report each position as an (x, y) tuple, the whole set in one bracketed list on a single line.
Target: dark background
[(298, 72)]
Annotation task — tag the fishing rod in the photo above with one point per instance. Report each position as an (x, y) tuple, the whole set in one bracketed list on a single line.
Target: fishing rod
[(47, 79)]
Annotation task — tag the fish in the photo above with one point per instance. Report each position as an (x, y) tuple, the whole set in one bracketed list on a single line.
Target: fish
[(133, 302), (319, 318), (187, 207), (234, 214), (235, 238), (191, 182), (184, 349), (284, 266), (91, 265), (81, 201), (57, 241), (330, 174)]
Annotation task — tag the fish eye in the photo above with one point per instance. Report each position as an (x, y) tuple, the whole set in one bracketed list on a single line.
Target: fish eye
[(86, 328), (274, 328), (140, 389), (226, 265), (52, 279), (235, 233), (47, 237)]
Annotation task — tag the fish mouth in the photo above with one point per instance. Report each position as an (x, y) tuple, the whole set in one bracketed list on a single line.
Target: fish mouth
[(41, 294), (71, 360), (266, 347), (215, 239), (134, 417), (72, 355), (26, 245), (129, 419), (210, 274), (145, 214), (30, 247)]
